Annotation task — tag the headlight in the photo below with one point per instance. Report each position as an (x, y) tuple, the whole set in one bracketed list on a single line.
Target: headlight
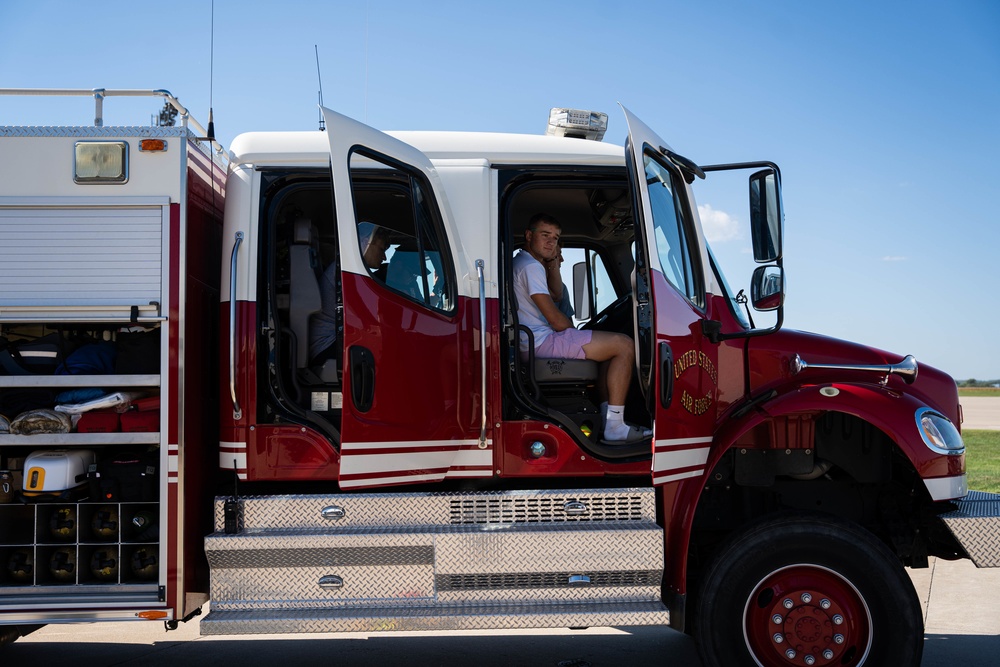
[(938, 432)]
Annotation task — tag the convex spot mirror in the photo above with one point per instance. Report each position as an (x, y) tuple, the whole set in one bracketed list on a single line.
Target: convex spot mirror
[(767, 288), (766, 215)]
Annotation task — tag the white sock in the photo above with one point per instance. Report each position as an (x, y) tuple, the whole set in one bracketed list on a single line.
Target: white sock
[(614, 421)]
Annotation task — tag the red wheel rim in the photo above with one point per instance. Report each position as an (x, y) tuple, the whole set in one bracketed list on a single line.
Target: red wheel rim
[(806, 615)]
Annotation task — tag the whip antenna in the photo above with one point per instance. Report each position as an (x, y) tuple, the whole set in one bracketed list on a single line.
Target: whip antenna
[(211, 78), (322, 121)]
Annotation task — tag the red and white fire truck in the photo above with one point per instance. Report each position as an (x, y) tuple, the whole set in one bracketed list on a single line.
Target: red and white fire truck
[(422, 472)]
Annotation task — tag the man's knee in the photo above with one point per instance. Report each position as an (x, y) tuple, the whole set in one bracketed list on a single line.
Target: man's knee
[(624, 345)]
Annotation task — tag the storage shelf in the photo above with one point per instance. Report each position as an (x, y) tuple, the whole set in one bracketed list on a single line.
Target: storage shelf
[(80, 439), (74, 381)]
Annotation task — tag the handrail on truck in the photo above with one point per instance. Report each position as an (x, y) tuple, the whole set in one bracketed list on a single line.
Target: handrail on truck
[(100, 93)]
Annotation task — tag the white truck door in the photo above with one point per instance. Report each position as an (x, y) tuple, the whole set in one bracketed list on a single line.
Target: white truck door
[(411, 380), (676, 364)]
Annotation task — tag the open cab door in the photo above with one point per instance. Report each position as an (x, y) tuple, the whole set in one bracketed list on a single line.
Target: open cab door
[(410, 406), (676, 363)]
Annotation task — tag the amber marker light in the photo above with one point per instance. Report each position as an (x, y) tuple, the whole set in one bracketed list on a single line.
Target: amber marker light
[(152, 145), (152, 615)]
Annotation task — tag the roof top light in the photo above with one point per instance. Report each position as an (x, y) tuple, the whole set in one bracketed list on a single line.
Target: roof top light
[(578, 123)]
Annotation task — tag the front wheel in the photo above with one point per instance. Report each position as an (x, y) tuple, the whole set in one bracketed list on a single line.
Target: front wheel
[(807, 590)]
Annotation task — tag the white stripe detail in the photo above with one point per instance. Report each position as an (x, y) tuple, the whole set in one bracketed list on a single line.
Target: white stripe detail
[(675, 442), (226, 460), (947, 488), (679, 476), (361, 464), (681, 458), (410, 444), (406, 479)]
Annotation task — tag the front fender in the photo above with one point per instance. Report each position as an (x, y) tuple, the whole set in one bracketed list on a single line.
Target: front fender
[(891, 411)]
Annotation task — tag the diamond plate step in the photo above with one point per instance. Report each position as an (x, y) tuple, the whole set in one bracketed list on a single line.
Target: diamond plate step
[(522, 564), (405, 510), (462, 560), (976, 526), (463, 617)]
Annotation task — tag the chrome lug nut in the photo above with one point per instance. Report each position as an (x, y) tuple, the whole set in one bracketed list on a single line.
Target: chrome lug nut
[(777, 619), (824, 603), (806, 598), (778, 638), (838, 639), (809, 660), (790, 654), (828, 654), (838, 619), (787, 603)]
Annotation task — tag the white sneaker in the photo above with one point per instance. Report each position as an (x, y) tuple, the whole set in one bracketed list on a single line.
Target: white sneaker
[(625, 433)]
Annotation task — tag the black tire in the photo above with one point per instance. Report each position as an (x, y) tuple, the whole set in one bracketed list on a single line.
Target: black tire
[(807, 570), (11, 633)]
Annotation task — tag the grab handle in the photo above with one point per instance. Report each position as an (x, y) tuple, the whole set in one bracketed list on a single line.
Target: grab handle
[(480, 269), (237, 412)]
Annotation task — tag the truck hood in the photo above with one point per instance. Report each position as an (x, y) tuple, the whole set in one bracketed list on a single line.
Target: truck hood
[(770, 366)]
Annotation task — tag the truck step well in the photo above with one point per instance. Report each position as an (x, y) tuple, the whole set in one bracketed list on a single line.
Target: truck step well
[(420, 561)]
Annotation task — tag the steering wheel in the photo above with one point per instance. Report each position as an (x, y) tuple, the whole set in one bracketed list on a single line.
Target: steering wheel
[(611, 312)]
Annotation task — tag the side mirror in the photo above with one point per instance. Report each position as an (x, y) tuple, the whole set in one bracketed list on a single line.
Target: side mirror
[(766, 215), (767, 288), (581, 291)]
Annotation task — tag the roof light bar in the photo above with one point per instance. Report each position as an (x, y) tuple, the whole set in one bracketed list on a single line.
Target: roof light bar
[(578, 123)]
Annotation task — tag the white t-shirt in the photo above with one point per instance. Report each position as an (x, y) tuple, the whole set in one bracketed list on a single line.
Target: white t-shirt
[(529, 278)]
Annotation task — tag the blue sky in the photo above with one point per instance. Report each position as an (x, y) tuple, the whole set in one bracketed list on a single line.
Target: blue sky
[(883, 116)]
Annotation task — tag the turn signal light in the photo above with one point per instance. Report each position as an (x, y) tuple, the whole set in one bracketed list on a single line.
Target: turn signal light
[(153, 145)]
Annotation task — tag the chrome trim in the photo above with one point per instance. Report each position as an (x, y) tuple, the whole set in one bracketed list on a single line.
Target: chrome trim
[(906, 368), (947, 488), (237, 412), (575, 508), (333, 512), (480, 269), (331, 582), (918, 415)]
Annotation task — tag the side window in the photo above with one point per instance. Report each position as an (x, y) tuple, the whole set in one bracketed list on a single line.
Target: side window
[(591, 283), (400, 235), (673, 246)]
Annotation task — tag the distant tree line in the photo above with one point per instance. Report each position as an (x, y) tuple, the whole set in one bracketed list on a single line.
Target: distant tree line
[(978, 383)]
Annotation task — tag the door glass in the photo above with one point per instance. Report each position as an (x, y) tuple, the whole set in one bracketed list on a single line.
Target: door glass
[(672, 244), (399, 233)]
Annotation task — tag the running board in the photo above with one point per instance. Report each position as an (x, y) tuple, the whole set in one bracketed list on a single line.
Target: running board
[(368, 562), (976, 525), (454, 617)]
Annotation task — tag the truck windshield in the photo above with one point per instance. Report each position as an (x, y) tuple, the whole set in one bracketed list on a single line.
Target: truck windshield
[(739, 310)]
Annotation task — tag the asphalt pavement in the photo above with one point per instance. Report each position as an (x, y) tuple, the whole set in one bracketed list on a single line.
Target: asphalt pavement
[(961, 615), (981, 412)]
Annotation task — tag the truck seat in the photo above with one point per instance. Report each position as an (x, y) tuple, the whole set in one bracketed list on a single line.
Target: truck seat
[(556, 373), (304, 295)]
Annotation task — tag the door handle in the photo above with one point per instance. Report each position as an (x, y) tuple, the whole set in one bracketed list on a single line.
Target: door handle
[(666, 374), (362, 377)]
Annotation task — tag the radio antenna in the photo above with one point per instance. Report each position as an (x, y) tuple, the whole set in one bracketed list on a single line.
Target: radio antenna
[(211, 79), (322, 122)]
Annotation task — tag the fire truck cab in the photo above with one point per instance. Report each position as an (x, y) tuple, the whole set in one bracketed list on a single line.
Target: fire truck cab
[(352, 436)]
